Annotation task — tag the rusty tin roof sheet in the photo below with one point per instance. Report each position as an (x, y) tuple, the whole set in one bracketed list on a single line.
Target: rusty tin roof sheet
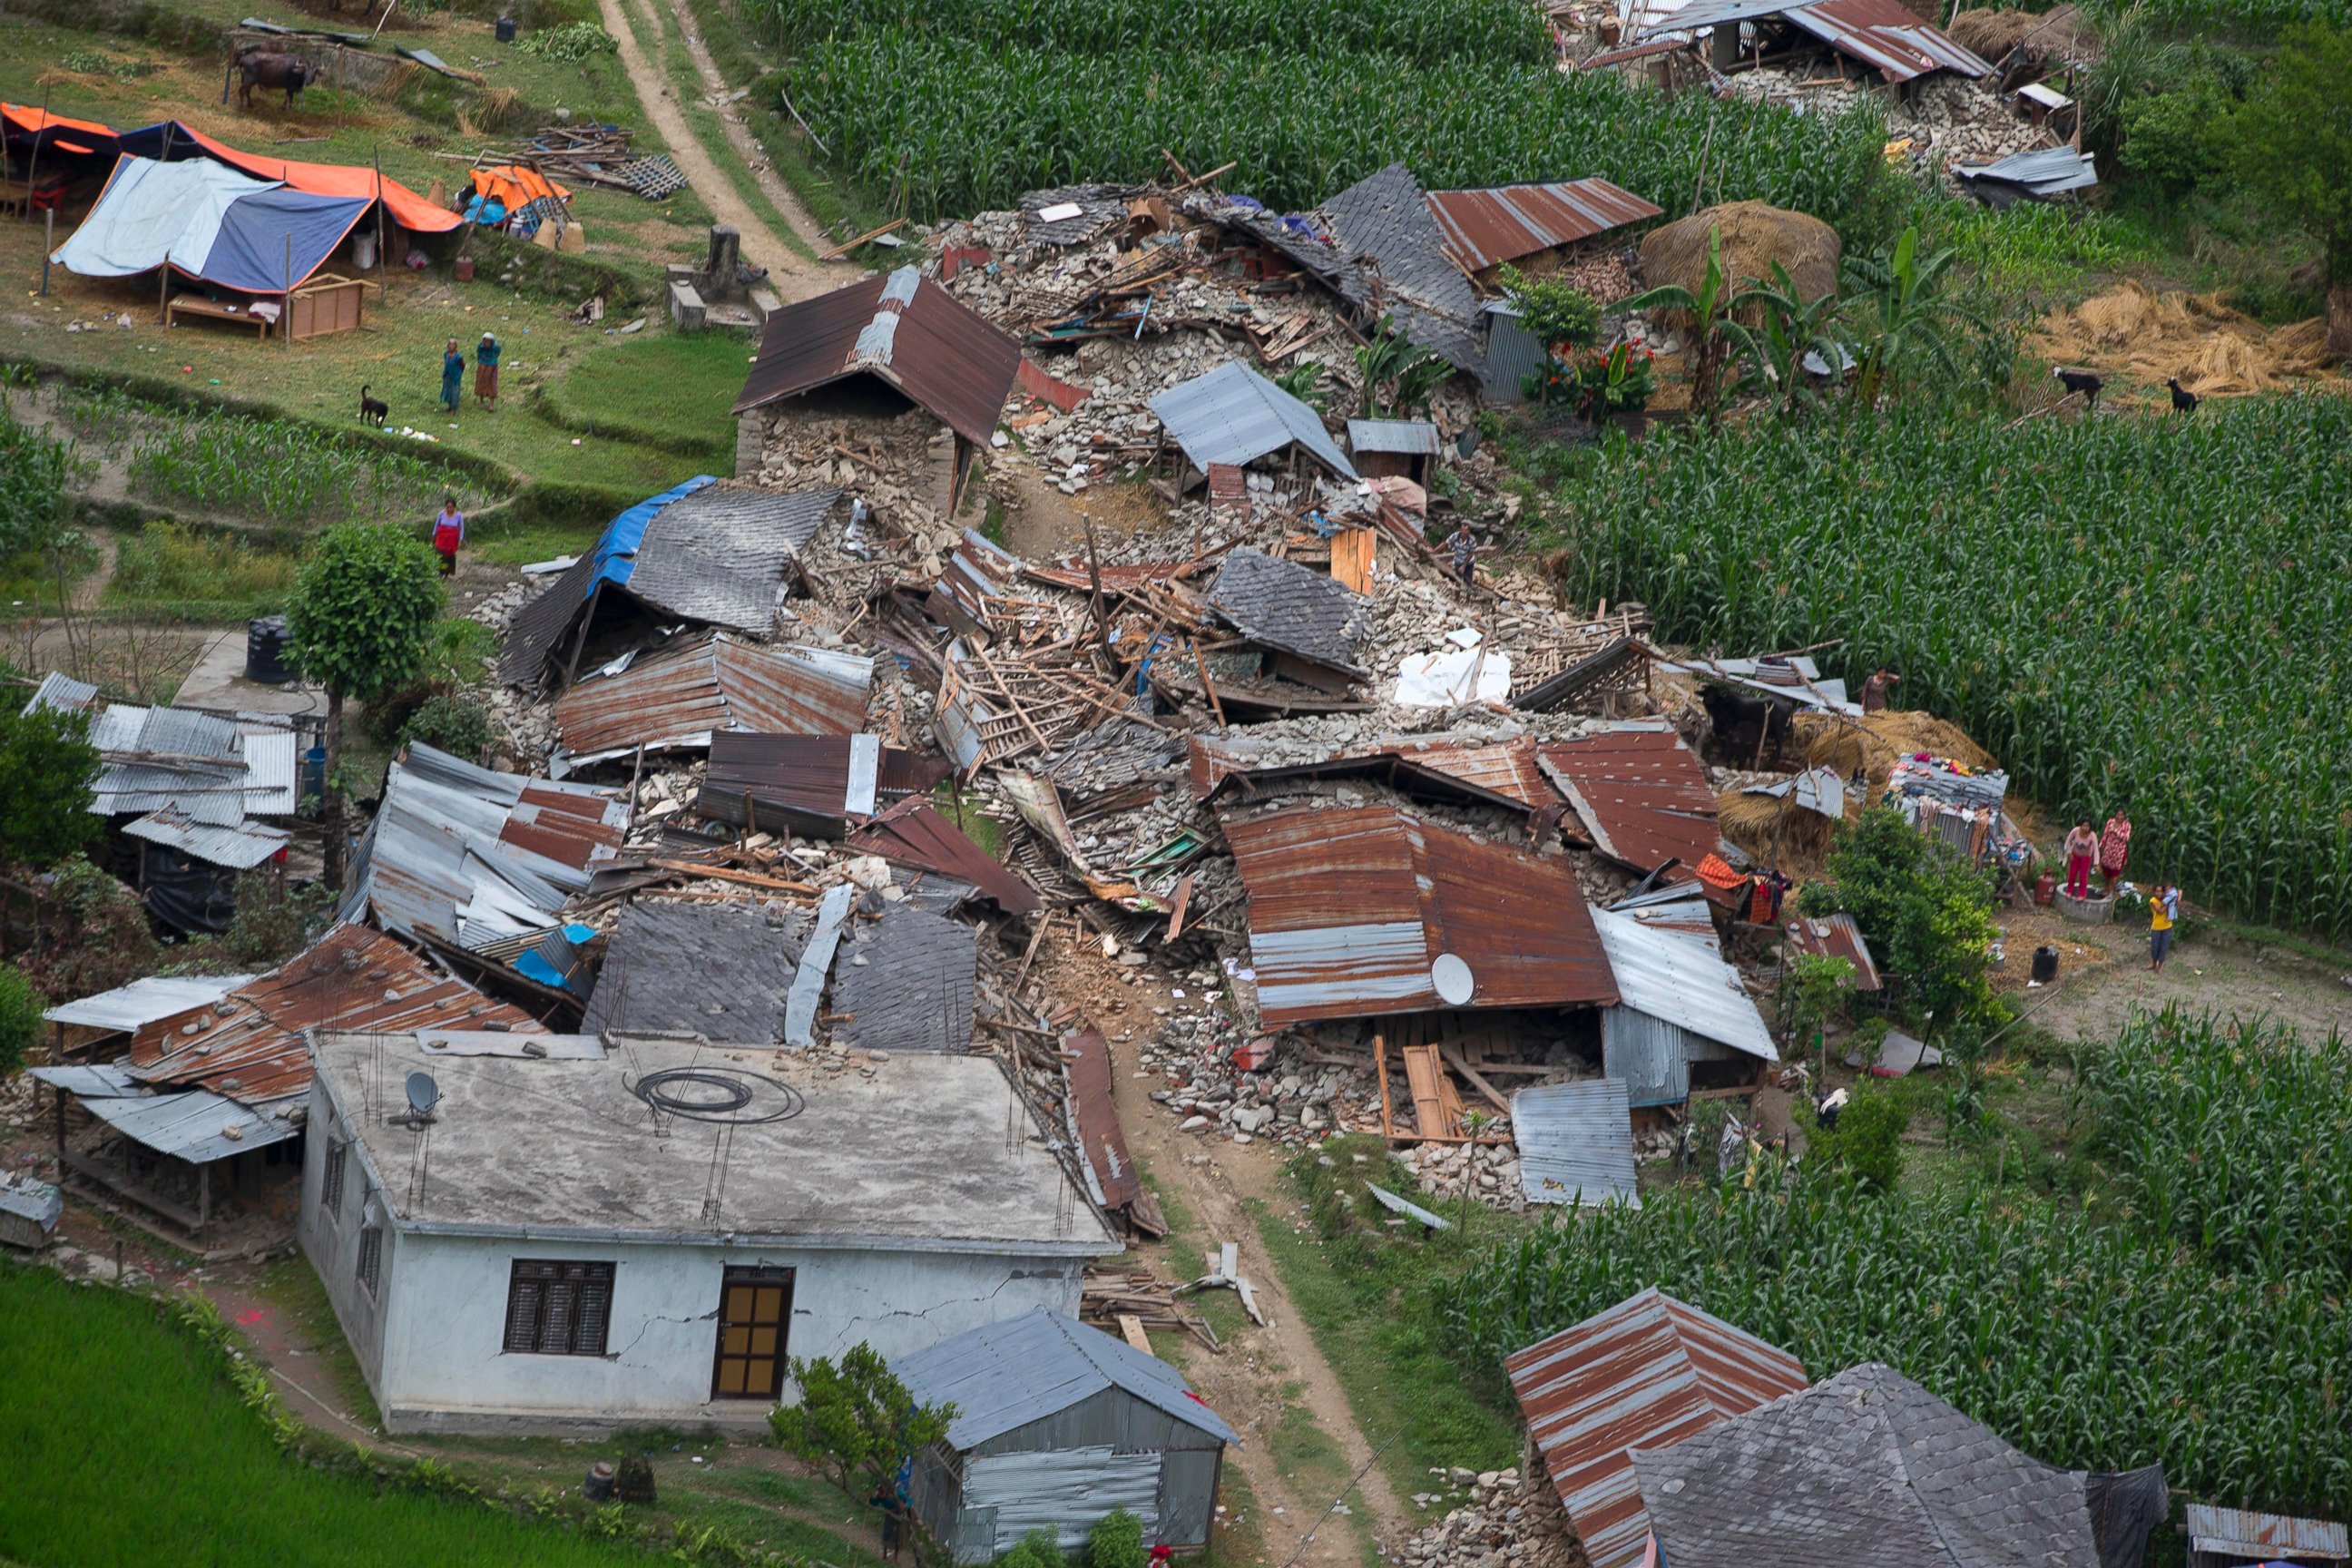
[(913, 834), (2235, 1532), (815, 781), (1349, 909), (901, 328), (678, 695), (1647, 1373), (1640, 794), (1094, 1117), (1503, 223), (249, 1046), (1836, 936)]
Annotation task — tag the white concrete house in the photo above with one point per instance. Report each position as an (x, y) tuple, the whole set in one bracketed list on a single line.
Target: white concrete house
[(576, 1237)]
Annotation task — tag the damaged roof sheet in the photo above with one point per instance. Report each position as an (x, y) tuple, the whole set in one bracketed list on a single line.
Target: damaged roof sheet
[(1349, 908), (1503, 223), (1094, 1120), (1646, 1373), (912, 833), (1882, 34), (1480, 769), (902, 329), (1835, 936), (2264, 1537), (1004, 1375), (1640, 794), (1232, 415), (240, 846), (248, 1044), (196, 1125), (2048, 172), (677, 696), (1411, 437), (211, 771), (126, 1007), (1576, 1143), (475, 858), (815, 784), (1398, 267), (1676, 975), (1291, 607), (664, 959), (904, 983)]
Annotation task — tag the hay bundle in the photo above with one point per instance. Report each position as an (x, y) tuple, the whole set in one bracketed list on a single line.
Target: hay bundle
[(2211, 349), (1872, 746), (1755, 236), (2062, 30), (1778, 832)]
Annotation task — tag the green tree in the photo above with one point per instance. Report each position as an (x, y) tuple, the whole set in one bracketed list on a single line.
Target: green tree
[(1555, 314), (357, 625), (20, 1019), (47, 763), (2292, 149), (1925, 912), (1817, 982), (2176, 141), (1911, 323), (856, 1421)]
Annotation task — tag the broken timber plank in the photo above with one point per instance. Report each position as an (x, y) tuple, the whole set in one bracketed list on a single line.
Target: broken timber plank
[(1131, 1328)]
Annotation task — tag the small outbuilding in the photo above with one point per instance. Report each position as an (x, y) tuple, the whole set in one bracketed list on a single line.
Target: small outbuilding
[(1233, 416), (1058, 1424), (1394, 448)]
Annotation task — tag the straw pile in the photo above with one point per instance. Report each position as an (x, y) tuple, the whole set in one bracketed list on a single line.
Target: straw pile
[(1780, 833), (1872, 745), (2062, 31), (1755, 234), (2213, 351)]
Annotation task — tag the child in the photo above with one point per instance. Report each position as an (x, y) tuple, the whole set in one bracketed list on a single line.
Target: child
[(2163, 910)]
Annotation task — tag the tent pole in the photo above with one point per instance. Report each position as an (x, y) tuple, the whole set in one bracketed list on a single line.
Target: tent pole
[(382, 262), (33, 164), (286, 306), (48, 246)]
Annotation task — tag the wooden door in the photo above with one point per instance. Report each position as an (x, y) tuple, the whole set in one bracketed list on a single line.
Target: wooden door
[(755, 1307)]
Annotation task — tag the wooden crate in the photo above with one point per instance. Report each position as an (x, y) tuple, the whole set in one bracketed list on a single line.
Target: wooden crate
[(328, 303)]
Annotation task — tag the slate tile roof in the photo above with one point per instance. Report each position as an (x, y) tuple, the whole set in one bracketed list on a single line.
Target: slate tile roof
[(1288, 607)]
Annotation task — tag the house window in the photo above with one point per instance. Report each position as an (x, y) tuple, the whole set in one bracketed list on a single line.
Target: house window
[(558, 1308), (371, 1268), (330, 1192)]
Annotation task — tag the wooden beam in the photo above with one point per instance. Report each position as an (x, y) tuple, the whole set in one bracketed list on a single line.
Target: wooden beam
[(727, 874), (1454, 1059)]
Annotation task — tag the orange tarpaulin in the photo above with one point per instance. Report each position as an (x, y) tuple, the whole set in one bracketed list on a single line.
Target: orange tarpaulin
[(514, 187), (407, 208), (34, 120)]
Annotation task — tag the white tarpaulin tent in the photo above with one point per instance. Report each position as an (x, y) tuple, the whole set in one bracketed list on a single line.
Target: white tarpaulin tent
[(209, 222)]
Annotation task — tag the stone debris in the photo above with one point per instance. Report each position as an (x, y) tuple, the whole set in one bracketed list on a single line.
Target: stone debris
[(1494, 1519)]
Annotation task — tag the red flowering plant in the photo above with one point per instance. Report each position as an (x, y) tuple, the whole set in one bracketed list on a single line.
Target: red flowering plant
[(1601, 383)]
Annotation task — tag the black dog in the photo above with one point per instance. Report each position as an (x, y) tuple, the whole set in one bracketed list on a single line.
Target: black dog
[(372, 410), (2183, 400)]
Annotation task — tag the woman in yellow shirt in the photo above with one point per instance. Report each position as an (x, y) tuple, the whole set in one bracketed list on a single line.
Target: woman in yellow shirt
[(2163, 909)]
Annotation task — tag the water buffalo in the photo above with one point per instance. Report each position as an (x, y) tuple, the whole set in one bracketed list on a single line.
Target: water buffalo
[(288, 73), (1742, 724)]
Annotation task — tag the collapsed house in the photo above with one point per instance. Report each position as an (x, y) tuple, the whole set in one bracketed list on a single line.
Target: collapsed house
[(1879, 35), (675, 698)]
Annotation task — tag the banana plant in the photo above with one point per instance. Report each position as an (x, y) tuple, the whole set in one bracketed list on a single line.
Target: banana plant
[(1791, 327), (1710, 307), (1913, 325)]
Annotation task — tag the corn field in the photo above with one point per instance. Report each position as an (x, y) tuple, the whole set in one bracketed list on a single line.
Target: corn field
[(2136, 611), (1500, 32), (2245, 18), (2236, 1142), (278, 470), (2087, 1344), (963, 127)]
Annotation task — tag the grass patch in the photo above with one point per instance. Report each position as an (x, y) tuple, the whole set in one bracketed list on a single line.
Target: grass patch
[(978, 825), (525, 545), (668, 391), (128, 1406), (294, 1287), (199, 574)]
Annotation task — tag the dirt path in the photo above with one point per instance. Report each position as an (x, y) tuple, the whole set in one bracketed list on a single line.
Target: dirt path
[(2233, 978), (794, 275)]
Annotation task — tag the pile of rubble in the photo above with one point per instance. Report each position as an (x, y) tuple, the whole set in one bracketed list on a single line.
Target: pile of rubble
[(1945, 119), (1496, 1520)]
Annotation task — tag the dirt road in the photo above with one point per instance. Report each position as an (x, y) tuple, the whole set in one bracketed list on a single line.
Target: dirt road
[(793, 273)]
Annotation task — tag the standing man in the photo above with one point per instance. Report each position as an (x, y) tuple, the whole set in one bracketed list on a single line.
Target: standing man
[(486, 370), (448, 532), (1874, 689), (1465, 554), (2163, 910), (453, 375), (2114, 846), (2082, 843)]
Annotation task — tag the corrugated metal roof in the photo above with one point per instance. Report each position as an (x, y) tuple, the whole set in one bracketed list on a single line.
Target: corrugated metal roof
[(2052, 171), (96, 1082), (813, 784), (270, 771), (1793, 680), (212, 771), (1836, 936), (675, 697), (1350, 908), (248, 1044), (902, 329), (1094, 1120), (1646, 1373), (1882, 34), (1503, 223), (1495, 773), (1291, 607), (1818, 790), (663, 958), (1004, 1375), (1413, 438), (198, 1126), (2236, 1533), (1576, 1143), (240, 848), (1232, 415), (906, 983), (63, 693), (1678, 975), (912, 833), (1640, 793), (126, 1007)]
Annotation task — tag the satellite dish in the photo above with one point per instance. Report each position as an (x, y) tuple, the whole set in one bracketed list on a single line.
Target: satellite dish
[(423, 1094), (1452, 980)]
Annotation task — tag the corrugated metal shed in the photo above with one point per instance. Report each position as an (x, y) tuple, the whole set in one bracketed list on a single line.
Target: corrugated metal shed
[(912, 833), (663, 958), (1094, 1117), (906, 983), (198, 1126), (1576, 1143), (1004, 1375), (900, 329), (240, 848), (1286, 605), (811, 784), (1646, 1373), (1502, 223), (248, 1044), (1669, 973), (126, 1007), (1411, 437), (1836, 936), (2236, 1534), (212, 771), (675, 698), (1640, 794), (1052, 1489), (1232, 415), (1882, 34), (1349, 909)]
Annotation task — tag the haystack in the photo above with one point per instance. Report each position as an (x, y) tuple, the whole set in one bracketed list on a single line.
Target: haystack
[(1755, 234), (1871, 745), (2062, 31), (2213, 350), (1780, 833)]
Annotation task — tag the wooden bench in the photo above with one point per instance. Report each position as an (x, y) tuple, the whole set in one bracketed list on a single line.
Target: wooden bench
[(196, 305)]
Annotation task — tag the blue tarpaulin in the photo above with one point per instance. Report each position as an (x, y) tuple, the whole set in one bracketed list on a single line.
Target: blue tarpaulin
[(209, 222), (616, 553)]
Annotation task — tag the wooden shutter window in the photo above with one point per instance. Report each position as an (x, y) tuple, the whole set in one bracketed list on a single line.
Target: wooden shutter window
[(331, 1197), (559, 1309), (371, 1257)]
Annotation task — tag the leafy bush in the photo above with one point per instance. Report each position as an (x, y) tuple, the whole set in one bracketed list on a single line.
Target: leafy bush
[(1038, 1549), (2182, 569), (20, 1022), (2177, 139), (274, 918), (1867, 1141), (1553, 312), (1116, 1542), (1603, 382), (1927, 913), (457, 725), (47, 763), (570, 41)]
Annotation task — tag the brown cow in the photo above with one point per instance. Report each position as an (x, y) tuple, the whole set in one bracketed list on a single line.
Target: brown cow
[(287, 72)]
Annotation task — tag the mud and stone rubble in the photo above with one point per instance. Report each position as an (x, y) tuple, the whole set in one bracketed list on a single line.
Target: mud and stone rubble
[(1494, 1519)]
